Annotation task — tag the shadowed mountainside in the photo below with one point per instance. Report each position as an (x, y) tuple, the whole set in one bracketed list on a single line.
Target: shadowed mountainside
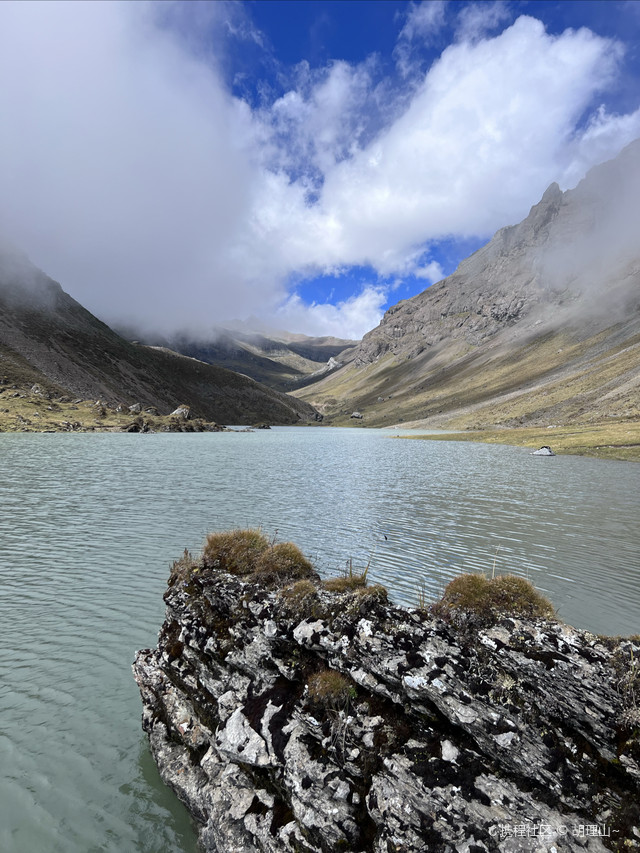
[(46, 337), (540, 326), (280, 360)]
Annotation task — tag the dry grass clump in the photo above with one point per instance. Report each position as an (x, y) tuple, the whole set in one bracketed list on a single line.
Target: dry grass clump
[(488, 600), (280, 564), (234, 551), (348, 582), (183, 569), (330, 690), (374, 594), (300, 599), (367, 598)]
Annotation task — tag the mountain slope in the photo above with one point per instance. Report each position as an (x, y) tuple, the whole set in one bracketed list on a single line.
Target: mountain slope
[(49, 338), (541, 325), (280, 360)]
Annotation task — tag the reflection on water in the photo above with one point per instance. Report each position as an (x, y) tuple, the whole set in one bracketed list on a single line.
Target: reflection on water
[(90, 524)]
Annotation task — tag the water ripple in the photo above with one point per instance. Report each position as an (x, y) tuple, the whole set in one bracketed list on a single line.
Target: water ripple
[(89, 526)]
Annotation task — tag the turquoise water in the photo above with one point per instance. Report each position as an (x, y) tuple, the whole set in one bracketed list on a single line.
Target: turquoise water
[(89, 525)]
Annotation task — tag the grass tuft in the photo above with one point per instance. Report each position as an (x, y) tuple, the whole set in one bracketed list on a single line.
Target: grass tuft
[(487, 601), (347, 583), (234, 551), (183, 569), (300, 599), (280, 564), (330, 690)]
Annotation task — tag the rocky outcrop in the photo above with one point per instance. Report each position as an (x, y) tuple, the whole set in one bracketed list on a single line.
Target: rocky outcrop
[(183, 413), (540, 326), (303, 719), (551, 268)]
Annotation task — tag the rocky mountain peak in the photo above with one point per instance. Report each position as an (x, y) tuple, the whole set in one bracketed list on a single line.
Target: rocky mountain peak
[(526, 272)]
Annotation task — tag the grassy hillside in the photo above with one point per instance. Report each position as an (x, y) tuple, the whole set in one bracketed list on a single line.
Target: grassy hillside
[(556, 376)]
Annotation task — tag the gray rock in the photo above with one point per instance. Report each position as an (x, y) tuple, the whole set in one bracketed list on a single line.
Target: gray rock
[(521, 736), (182, 412)]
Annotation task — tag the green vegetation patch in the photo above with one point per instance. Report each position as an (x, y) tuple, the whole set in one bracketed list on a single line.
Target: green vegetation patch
[(487, 601)]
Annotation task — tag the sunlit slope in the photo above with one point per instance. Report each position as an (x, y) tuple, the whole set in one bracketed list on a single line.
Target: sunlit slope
[(552, 378), (540, 326)]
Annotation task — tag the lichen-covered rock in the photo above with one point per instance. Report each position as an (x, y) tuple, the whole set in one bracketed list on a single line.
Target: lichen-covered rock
[(440, 736)]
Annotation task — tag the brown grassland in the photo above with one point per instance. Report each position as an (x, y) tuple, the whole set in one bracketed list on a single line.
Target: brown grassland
[(609, 440)]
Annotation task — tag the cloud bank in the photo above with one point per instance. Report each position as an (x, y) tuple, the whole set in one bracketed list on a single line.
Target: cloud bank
[(130, 173)]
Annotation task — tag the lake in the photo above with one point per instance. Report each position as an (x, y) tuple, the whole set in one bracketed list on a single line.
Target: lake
[(89, 525)]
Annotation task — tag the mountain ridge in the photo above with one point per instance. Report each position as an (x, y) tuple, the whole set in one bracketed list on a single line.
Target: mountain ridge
[(48, 338), (281, 360), (546, 307)]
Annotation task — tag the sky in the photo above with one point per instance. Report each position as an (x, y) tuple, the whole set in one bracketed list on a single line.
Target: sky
[(295, 164)]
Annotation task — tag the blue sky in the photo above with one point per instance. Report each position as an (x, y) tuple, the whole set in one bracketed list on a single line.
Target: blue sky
[(180, 165)]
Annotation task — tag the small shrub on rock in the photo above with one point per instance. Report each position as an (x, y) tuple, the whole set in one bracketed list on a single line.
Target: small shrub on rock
[(330, 690), (371, 596), (487, 601), (347, 583), (234, 551), (183, 569), (300, 599), (280, 564)]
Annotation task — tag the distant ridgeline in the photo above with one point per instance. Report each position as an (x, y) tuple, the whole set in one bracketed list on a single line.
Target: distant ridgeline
[(290, 714)]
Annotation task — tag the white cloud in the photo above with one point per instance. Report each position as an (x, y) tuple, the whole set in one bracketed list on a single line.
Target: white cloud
[(491, 126), (423, 22), (128, 171), (431, 272), (478, 19), (350, 319), (604, 134), (322, 120), (123, 169)]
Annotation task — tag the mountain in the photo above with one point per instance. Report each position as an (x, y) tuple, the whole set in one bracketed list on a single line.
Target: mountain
[(540, 326), (281, 360), (49, 339)]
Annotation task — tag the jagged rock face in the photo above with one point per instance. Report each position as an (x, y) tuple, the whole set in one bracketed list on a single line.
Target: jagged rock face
[(571, 250), (516, 736)]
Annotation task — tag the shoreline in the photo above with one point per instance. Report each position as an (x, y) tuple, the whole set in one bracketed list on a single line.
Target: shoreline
[(617, 440), (22, 412)]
